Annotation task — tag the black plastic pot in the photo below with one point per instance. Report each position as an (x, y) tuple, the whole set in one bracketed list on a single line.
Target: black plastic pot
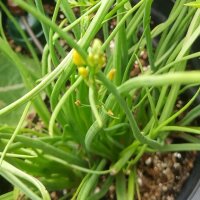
[(191, 189)]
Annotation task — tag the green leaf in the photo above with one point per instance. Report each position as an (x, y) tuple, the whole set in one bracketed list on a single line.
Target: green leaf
[(7, 196), (11, 88), (195, 4)]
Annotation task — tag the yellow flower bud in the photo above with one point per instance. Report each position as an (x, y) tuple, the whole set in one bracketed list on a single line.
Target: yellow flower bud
[(77, 102), (111, 74), (77, 59), (96, 57), (102, 60), (110, 113), (96, 46), (91, 59), (83, 72)]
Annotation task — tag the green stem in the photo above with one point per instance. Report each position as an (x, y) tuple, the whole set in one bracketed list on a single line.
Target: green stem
[(60, 104), (94, 106), (17, 130), (45, 27), (147, 29)]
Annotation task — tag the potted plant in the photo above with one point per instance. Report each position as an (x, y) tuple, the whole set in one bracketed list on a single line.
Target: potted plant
[(109, 93)]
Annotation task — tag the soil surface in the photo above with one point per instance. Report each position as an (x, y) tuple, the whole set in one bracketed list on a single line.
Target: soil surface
[(161, 176)]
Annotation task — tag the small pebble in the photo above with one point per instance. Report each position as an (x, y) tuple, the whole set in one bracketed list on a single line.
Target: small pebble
[(148, 161)]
